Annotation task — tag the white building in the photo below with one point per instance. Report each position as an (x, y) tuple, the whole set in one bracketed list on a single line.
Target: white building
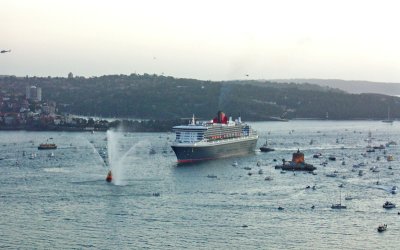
[(33, 93)]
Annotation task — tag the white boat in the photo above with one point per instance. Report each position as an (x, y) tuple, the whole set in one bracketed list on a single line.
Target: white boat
[(268, 178), (394, 190), (348, 198)]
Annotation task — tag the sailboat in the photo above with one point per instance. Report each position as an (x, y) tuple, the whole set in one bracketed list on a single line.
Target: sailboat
[(339, 205), (388, 120)]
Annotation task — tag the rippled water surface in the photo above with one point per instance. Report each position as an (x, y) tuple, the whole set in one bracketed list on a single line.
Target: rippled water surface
[(63, 201)]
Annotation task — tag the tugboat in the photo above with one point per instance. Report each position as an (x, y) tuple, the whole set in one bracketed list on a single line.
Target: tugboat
[(297, 163), (265, 148), (109, 176)]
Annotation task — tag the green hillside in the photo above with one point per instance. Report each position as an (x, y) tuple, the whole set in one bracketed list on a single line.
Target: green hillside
[(160, 97)]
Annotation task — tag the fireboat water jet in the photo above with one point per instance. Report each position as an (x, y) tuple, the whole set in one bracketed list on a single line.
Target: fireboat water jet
[(117, 160)]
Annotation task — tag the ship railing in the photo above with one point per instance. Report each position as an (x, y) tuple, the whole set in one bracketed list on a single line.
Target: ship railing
[(229, 140)]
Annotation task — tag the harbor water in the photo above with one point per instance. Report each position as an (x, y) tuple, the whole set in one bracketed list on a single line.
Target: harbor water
[(59, 198)]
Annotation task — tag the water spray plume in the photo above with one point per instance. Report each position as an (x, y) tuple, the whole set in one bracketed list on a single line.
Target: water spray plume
[(118, 159)]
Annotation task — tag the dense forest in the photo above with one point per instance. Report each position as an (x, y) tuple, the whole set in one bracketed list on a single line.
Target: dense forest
[(162, 97)]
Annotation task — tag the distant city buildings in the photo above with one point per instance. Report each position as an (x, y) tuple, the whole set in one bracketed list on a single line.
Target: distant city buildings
[(33, 93), (19, 111)]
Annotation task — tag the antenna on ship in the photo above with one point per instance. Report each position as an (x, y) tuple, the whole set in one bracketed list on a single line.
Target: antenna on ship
[(239, 118)]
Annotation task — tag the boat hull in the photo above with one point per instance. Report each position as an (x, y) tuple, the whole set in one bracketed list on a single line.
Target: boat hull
[(266, 149), (214, 150)]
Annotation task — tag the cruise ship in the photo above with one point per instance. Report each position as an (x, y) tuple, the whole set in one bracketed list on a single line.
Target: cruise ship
[(214, 139)]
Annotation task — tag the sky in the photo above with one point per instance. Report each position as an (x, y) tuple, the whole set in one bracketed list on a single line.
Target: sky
[(207, 39)]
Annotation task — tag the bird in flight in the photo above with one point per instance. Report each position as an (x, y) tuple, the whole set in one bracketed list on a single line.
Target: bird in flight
[(5, 51)]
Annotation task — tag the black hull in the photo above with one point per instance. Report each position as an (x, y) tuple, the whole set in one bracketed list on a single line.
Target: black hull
[(193, 153), (266, 149)]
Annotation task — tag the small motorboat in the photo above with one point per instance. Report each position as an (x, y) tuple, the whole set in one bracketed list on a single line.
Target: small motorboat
[(391, 143), (32, 156), (375, 169), (268, 178), (332, 158), (235, 164), (348, 198), (379, 147), (317, 155), (331, 175), (382, 228), (47, 146), (389, 205), (211, 176), (109, 176), (394, 190)]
